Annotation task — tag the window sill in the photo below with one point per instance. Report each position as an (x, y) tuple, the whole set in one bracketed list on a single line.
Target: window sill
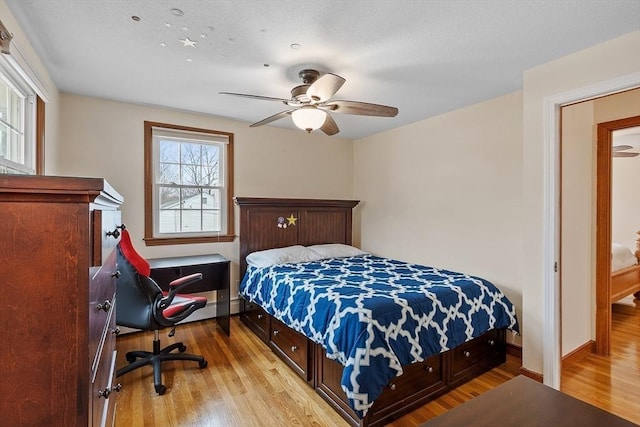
[(160, 241)]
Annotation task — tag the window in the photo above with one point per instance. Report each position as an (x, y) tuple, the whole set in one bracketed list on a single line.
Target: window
[(188, 185), (17, 122)]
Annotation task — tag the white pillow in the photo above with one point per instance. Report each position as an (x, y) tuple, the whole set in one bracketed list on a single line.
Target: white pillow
[(335, 250), (286, 255), (621, 257)]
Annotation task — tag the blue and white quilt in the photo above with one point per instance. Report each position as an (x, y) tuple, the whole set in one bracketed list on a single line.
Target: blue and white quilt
[(374, 315)]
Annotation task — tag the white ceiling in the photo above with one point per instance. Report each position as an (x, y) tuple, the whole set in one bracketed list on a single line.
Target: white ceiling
[(424, 57)]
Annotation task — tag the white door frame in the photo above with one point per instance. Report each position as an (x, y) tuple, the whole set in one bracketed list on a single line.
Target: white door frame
[(552, 328)]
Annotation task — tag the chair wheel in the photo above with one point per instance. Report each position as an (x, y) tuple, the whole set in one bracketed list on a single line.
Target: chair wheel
[(202, 364), (161, 389), (182, 348), (130, 358)]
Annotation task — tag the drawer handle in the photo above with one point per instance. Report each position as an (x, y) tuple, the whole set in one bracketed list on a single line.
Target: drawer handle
[(492, 343), (392, 386), (116, 274), (467, 354), (116, 233), (260, 316), (275, 332), (107, 391), (116, 331), (429, 369), (294, 348), (106, 305)]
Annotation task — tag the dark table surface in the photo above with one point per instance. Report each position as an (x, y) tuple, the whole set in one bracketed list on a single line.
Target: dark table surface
[(523, 402)]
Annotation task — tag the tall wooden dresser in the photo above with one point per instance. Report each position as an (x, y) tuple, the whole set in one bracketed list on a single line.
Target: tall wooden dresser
[(57, 299)]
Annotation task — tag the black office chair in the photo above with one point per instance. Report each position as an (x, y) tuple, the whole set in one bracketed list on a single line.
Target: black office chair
[(141, 304)]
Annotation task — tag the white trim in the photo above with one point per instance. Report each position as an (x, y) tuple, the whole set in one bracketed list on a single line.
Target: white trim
[(22, 67), (552, 328)]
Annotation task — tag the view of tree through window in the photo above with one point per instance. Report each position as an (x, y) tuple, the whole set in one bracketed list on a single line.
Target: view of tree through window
[(189, 182), (189, 175)]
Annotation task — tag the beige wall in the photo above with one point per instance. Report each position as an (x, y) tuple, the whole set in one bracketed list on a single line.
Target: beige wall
[(24, 53), (447, 192), (105, 139), (578, 218), (625, 201), (604, 62)]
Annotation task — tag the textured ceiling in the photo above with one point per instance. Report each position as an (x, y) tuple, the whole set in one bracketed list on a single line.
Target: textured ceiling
[(424, 57)]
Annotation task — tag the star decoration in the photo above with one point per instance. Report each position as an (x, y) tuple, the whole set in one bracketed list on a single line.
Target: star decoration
[(292, 220), (188, 42)]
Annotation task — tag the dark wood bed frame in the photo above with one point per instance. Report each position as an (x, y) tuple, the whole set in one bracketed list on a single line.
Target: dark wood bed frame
[(273, 223)]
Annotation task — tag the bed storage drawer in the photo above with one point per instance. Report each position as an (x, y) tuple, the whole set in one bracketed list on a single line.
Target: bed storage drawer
[(419, 380), (292, 346), (476, 355), (256, 319)]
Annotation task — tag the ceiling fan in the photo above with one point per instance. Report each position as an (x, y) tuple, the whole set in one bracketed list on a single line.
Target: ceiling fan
[(619, 151), (311, 103)]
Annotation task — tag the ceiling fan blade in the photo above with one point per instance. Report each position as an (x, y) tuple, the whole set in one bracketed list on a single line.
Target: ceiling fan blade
[(329, 127), (361, 108), (620, 154), (273, 118), (325, 87), (263, 98), (621, 147)]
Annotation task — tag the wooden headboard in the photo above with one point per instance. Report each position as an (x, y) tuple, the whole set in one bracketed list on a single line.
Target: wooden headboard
[(274, 223)]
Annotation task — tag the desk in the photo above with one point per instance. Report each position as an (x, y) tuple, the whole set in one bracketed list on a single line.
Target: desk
[(523, 402), (215, 277)]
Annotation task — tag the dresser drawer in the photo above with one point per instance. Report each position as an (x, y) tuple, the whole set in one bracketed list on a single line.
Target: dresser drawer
[(292, 346), (106, 234), (102, 400), (472, 356), (103, 373), (102, 288)]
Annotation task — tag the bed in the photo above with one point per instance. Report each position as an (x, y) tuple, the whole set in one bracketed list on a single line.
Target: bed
[(625, 272), (363, 374)]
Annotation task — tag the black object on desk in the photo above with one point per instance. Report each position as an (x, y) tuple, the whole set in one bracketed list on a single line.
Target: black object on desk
[(215, 277)]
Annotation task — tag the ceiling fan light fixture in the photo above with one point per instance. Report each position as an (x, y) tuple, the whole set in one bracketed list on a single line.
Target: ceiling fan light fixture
[(309, 118)]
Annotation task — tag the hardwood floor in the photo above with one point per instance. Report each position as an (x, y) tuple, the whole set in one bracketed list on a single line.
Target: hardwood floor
[(612, 383), (245, 384)]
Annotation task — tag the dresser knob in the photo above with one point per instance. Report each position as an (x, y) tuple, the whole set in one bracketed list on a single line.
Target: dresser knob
[(116, 331), (116, 233), (429, 369), (392, 387), (260, 316), (492, 343), (106, 305), (104, 393), (116, 274), (117, 387), (294, 348), (467, 354), (276, 332)]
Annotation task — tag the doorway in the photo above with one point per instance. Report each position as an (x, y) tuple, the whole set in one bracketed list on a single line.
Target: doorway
[(585, 250), (604, 229)]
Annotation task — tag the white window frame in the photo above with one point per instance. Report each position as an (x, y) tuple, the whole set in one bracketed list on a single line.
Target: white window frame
[(154, 132), (26, 130)]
